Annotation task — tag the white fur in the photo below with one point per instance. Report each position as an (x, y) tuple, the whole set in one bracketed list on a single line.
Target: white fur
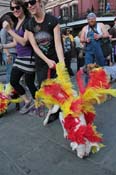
[(62, 124), (52, 110)]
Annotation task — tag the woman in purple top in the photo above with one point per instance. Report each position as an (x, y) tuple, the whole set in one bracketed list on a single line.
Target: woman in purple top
[(25, 62)]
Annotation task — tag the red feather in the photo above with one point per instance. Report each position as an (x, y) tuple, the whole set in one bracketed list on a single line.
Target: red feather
[(91, 135), (76, 106), (98, 79), (70, 123), (56, 91), (89, 117), (80, 81)]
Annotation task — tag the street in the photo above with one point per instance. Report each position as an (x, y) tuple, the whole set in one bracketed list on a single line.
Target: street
[(29, 148)]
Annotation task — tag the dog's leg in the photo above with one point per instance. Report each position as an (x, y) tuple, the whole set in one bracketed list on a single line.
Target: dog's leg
[(61, 121)]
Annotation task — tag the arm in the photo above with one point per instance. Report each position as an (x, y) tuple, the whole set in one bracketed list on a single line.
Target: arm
[(113, 39), (83, 39), (105, 32), (82, 36), (18, 39), (9, 45), (32, 41), (112, 34), (58, 44), (4, 41)]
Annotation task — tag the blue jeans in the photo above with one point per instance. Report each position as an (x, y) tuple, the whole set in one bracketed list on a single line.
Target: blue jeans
[(8, 66), (93, 53)]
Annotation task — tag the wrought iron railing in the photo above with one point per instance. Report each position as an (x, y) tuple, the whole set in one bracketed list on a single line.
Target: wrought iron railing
[(67, 19)]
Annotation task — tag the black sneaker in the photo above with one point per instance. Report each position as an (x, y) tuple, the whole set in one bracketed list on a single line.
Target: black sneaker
[(17, 107), (54, 117)]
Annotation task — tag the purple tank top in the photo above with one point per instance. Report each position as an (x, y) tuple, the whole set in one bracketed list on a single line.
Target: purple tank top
[(23, 50)]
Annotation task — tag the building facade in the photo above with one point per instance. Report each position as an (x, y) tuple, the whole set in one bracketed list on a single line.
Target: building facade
[(72, 10), (4, 7)]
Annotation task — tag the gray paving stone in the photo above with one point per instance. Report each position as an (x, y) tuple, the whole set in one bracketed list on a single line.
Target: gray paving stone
[(29, 148), (8, 167), (110, 160), (16, 143), (52, 159)]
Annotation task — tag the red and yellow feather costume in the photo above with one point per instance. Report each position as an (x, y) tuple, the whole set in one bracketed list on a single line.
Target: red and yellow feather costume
[(60, 91)]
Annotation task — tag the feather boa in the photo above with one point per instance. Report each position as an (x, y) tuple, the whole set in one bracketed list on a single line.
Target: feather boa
[(5, 97)]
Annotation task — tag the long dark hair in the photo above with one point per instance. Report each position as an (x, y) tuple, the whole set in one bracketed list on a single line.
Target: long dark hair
[(6, 17), (21, 3)]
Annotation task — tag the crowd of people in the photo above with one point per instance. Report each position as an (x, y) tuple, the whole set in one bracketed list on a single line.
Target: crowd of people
[(32, 43)]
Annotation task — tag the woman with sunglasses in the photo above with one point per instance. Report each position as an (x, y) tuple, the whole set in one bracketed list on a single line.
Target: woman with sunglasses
[(25, 62), (44, 34)]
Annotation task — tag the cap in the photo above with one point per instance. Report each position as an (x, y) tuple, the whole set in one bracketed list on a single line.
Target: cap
[(91, 16)]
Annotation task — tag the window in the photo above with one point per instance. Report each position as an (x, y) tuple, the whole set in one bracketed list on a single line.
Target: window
[(65, 11), (74, 11)]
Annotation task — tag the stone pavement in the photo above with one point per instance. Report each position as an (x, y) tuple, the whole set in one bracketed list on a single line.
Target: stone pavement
[(29, 148)]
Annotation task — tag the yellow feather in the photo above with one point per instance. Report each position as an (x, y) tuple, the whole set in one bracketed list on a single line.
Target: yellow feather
[(1, 87), (8, 89)]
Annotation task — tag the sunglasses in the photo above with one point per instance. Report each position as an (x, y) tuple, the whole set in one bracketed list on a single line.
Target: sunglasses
[(31, 2), (15, 7)]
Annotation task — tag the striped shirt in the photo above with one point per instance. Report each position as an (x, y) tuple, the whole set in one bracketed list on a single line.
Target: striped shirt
[(25, 63)]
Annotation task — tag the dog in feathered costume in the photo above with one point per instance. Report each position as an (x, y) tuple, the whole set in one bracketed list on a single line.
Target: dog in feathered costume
[(78, 112), (8, 95)]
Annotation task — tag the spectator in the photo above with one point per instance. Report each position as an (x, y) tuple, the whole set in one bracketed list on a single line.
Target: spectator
[(1, 61), (24, 64), (109, 57), (108, 7), (69, 33), (112, 32), (91, 35), (67, 51), (8, 55), (79, 52)]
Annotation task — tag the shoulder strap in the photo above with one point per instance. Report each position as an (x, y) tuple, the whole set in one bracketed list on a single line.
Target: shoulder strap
[(92, 28)]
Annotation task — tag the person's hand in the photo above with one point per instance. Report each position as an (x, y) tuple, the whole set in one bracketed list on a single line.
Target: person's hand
[(110, 37), (9, 59), (51, 63), (6, 25), (97, 36), (88, 40), (1, 46)]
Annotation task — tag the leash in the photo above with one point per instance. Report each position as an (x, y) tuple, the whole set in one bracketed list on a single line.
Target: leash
[(49, 71)]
